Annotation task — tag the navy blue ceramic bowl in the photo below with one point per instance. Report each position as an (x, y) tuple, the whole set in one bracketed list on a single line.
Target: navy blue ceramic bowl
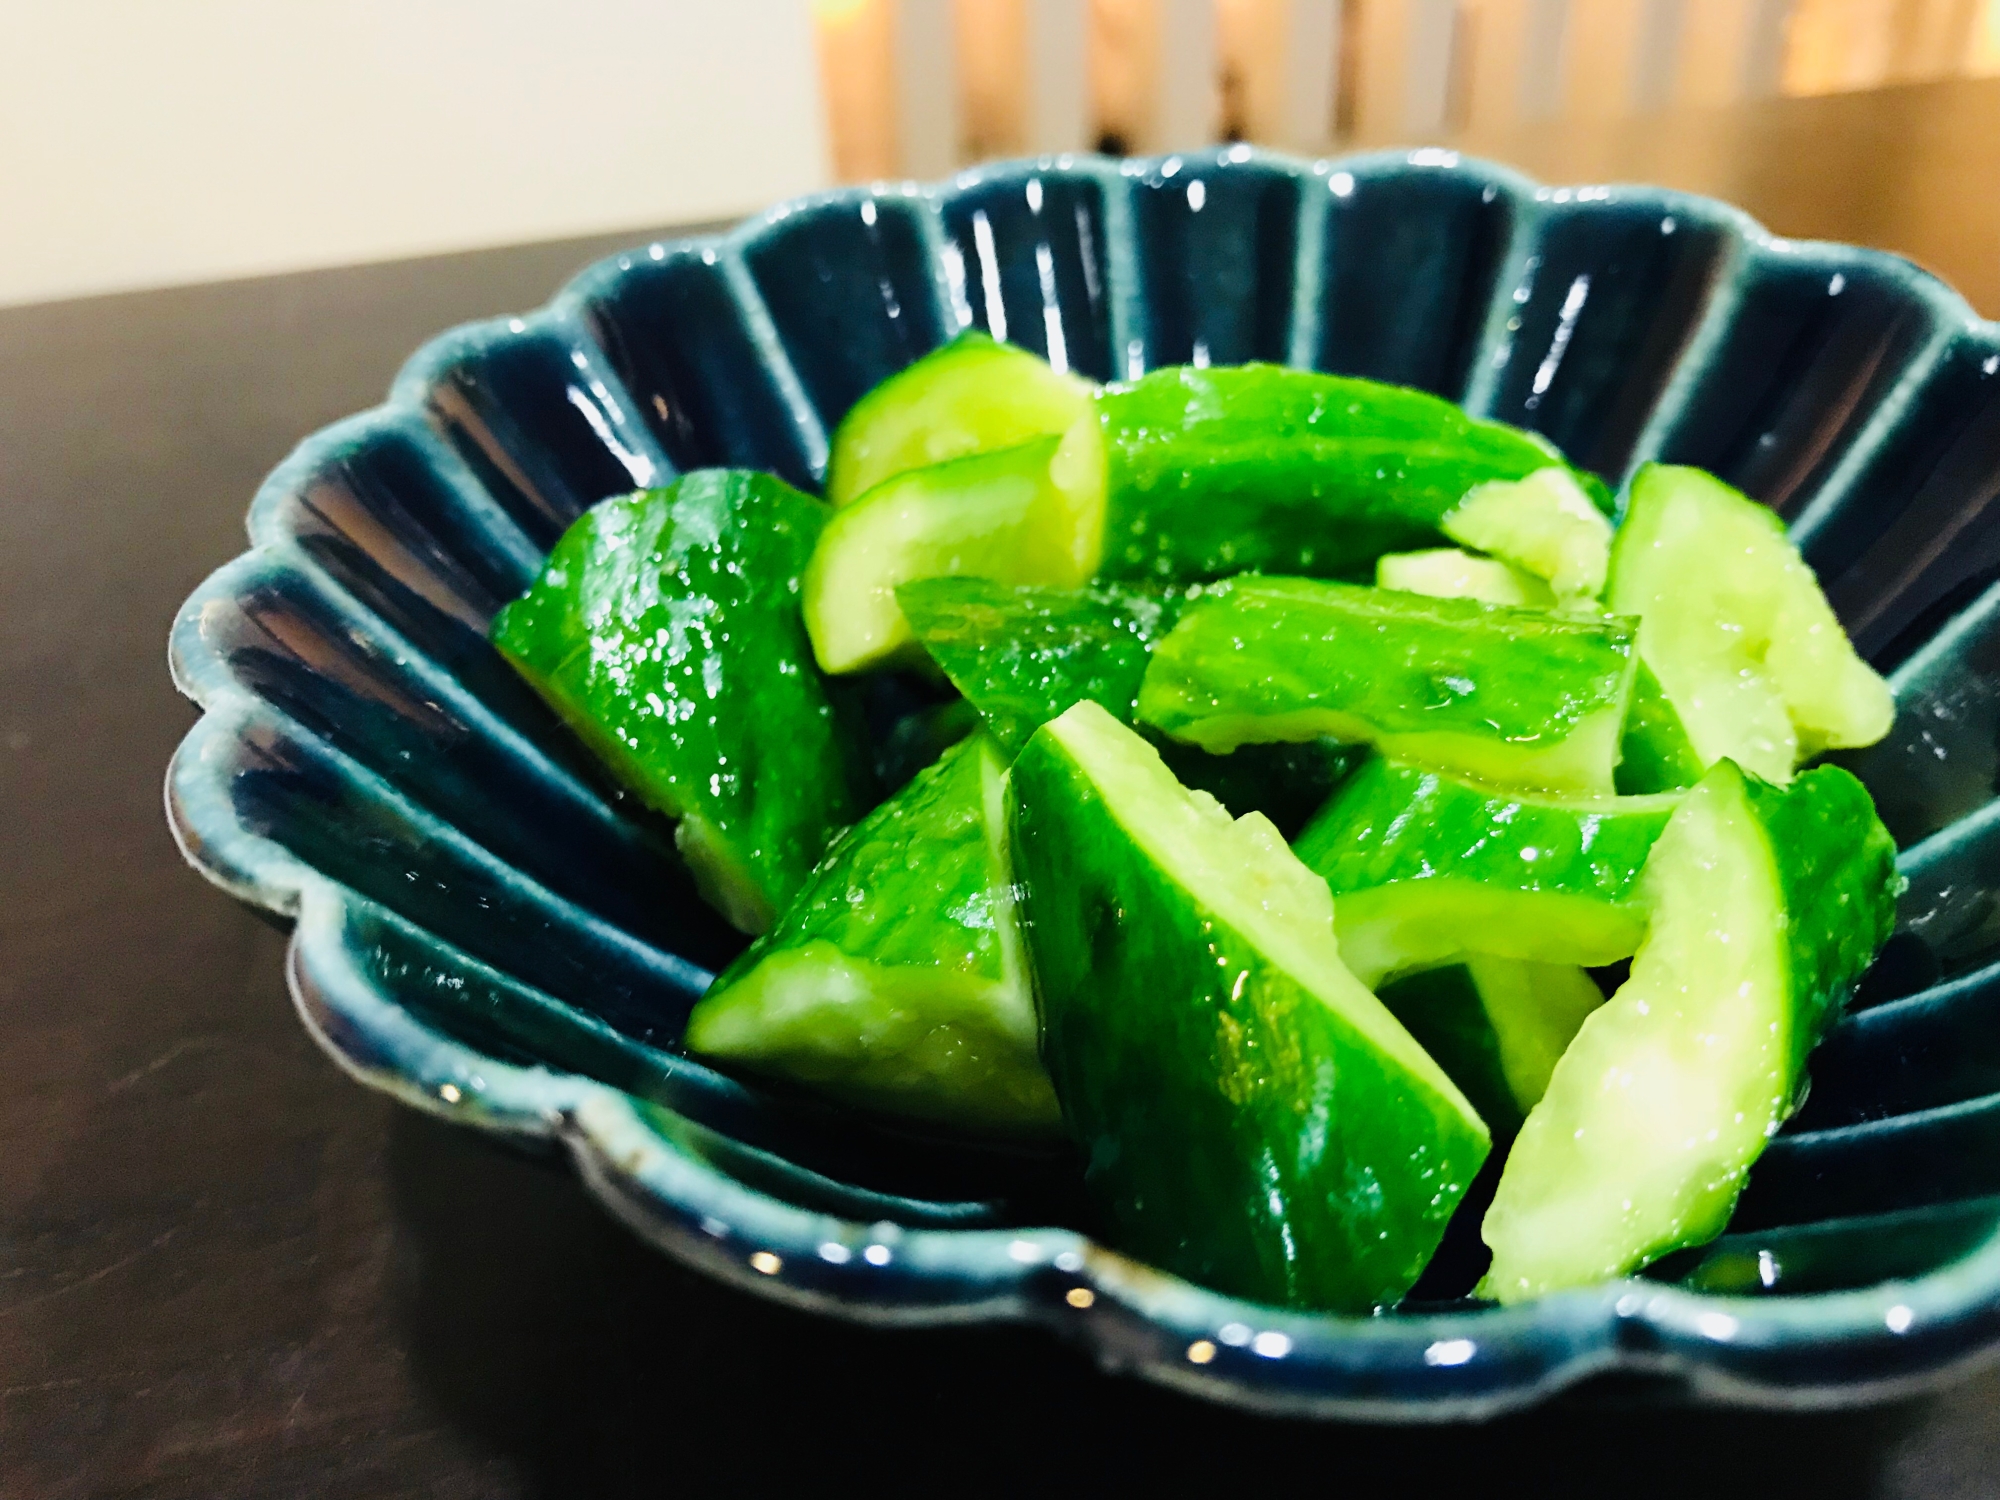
[(486, 930)]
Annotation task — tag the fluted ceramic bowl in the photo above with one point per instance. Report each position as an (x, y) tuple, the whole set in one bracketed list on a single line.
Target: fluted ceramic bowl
[(489, 932)]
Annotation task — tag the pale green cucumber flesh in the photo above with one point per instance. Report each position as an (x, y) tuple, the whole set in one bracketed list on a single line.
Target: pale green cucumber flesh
[(1390, 930), (1251, 1117), (1447, 573), (1517, 697), (1025, 515), (1546, 525), (1766, 906), (1734, 626), (972, 395), (896, 981), (1426, 867)]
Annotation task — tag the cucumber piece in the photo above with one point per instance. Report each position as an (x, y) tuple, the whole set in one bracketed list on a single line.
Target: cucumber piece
[(1212, 472), (896, 981), (1252, 1118), (1516, 697), (1497, 1026), (1023, 655), (1447, 573), (1029, 514), (664, 629), (1767, 905), (1425, 868), (1655, 753), (1546, 525), (972, 395), (1735, 627)]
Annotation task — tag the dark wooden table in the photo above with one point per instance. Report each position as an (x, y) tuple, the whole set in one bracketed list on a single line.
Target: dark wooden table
[(227, 1271)]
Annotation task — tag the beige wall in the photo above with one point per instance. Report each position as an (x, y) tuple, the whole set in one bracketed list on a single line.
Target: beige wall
[(144, 142)]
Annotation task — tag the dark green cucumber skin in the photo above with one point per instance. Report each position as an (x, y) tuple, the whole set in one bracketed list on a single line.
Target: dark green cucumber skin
[(1259, 468), (1442, 1009), (1405, 663), (1219, 1105), (687, 597), (1394, 822), (1022, 656), (872, 900), (1654, 753), (1836, 866)]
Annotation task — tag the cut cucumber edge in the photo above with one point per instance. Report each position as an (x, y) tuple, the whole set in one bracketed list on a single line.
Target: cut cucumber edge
[(896, 1037), (972, 395), (1545, 525), (1032, 514), (1753, 661), (1448, 573), (1669, 1091), (1241, 870)]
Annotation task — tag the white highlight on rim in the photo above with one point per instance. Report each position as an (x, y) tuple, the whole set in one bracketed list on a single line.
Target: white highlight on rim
[(1052, 324), (1716, 1325), (989, 274), (1572, 309), (1898, 1318), (1448, 1352)]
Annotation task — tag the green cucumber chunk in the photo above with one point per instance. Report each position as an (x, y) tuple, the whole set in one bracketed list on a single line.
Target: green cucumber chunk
[(1497, 1026), (972, 395), (1426, 868), (1024, 656), (664, 629), (1734, 626), (1516, 697), (1547, 525), (1212, 472), (1655, 753), (895, 981), (1767, 905), (1252, 1117), (1029, 514), (1447, 573)]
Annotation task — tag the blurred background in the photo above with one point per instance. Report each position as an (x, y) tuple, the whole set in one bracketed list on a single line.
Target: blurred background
[(144, 144)]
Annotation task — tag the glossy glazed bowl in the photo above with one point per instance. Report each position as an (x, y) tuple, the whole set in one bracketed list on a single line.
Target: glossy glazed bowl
[(487, 931)]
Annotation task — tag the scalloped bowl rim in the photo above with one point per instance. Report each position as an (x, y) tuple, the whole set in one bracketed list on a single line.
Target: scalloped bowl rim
[(1130, 1317)]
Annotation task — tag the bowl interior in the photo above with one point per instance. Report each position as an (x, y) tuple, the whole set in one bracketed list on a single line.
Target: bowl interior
[(489, 928)]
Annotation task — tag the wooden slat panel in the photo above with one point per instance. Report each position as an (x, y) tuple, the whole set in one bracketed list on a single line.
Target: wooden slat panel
[(927, 92), (857, 76)]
